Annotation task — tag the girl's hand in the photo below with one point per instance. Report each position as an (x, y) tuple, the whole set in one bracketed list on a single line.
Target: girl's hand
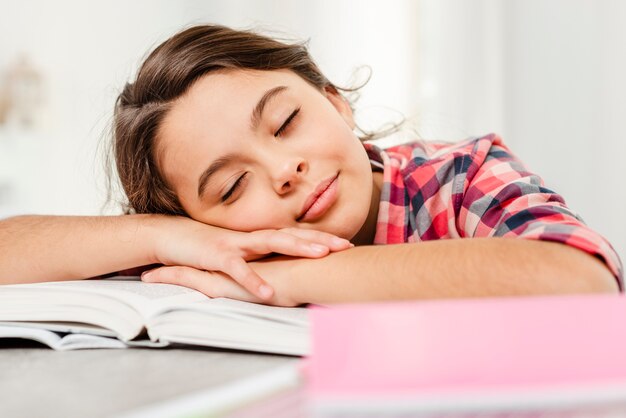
[(196, 248), (217, 284)]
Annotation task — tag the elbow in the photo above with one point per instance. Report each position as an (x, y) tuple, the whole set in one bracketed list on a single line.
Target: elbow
[(580, 272), (603, 282), (594, 277)]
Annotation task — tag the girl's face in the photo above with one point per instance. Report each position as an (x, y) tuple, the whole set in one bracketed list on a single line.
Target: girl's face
[(249, 150)]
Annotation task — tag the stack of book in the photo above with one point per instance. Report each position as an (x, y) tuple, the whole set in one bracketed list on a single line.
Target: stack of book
[(559, 356)]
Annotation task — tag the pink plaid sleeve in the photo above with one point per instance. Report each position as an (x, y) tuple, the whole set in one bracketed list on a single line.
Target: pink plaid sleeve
[(501, 198)]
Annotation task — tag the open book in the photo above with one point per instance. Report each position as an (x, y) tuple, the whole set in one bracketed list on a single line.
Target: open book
[(82, 313)]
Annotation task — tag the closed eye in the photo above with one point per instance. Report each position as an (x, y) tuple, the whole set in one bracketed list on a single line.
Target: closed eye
[(282, 129), (233, 189)]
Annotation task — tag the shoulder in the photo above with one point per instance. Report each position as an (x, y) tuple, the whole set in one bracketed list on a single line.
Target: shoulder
[(462, 156), (428, 150)]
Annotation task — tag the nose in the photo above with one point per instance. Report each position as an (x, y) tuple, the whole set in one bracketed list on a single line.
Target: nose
[(288, 174)]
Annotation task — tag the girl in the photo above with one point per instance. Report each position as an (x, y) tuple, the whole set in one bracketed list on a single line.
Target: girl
[(232, 146)]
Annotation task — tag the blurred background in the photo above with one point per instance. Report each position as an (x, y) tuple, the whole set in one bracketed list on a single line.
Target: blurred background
[(547, 75)]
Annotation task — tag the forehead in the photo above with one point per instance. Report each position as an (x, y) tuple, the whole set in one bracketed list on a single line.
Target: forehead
[(223, 98), (240, 87), (216, 109)]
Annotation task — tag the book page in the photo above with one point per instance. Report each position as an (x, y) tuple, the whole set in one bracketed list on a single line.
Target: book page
[(247, 311), (147, 298), (151, 299), (58, 304), (59, 341), (63, 327), (112, 303)]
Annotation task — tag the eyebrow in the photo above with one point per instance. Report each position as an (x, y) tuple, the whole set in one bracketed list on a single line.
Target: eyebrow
[(255, 120), (215, 166), (257, 113)]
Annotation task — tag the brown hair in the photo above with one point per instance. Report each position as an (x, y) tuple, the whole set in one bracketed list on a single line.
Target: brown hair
[(167, 73)]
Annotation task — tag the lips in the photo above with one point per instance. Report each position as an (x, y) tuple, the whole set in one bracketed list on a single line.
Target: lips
[(320, 200)]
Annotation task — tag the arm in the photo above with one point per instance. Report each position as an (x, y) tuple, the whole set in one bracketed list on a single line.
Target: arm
[(49, 248), (450, 268), (439, 269)]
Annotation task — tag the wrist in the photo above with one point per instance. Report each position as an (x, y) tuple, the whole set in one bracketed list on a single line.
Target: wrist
[(279, 272), (153, 231), (288, 287)]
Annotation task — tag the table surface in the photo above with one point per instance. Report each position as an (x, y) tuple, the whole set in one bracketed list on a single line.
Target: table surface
[(37, 381)]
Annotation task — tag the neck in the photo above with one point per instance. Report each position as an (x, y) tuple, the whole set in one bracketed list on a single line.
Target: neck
[(366, 234)]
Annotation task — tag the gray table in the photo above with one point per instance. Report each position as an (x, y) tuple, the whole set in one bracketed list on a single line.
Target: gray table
[(38, 382)]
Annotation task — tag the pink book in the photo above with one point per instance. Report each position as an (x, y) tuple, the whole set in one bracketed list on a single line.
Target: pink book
[(528, 353)]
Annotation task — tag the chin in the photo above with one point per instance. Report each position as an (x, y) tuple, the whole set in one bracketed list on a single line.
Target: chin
[(350, 230), (335, 227)]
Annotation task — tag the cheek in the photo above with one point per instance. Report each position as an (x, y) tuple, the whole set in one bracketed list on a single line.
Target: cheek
[(247, 220), (250, 214)]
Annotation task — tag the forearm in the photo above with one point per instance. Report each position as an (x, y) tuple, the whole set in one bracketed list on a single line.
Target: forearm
[(445, 269), (49, 248)]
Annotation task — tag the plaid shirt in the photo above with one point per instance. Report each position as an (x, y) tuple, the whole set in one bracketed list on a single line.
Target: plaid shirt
[(476, 188)]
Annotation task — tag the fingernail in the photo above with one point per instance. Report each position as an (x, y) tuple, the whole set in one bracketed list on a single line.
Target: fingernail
[(265, 291), (146, 274), (340, 241), (320, 249)]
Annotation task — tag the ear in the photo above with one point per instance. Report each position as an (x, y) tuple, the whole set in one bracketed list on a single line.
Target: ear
[(340, 104)]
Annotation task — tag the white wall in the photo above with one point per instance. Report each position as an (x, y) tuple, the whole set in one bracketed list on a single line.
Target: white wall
[(565, 102), (85, 50), (460, 68)]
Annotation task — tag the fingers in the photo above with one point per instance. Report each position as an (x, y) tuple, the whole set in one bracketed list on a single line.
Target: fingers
[(292, 241), (240, 271), (333, 242), (210, 283)]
